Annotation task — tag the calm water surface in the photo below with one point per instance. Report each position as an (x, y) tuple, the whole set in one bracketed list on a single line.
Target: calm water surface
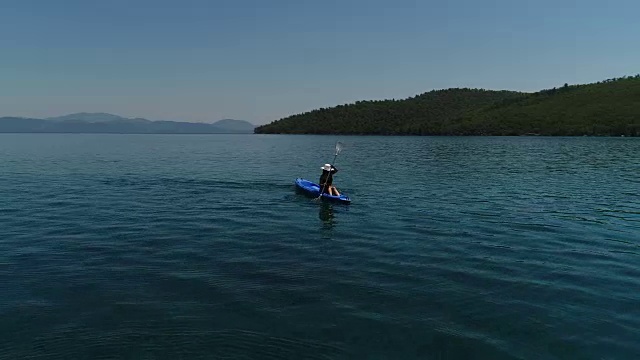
[(198, 247)]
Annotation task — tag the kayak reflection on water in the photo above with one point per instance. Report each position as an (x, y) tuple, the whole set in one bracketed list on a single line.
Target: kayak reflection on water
[(326, 213)]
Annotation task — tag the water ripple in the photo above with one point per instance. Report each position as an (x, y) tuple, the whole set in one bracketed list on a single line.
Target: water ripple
[(189, 247)]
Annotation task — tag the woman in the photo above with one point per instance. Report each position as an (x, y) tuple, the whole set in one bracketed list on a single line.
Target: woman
[(326, 180)]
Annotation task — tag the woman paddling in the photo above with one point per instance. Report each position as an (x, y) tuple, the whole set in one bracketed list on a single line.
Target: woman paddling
[(326, 180)]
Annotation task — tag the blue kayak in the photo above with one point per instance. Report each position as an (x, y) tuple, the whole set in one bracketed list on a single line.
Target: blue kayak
[(313, 189)]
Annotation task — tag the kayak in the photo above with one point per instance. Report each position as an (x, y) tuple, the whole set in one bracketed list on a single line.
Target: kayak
[(313, 189)]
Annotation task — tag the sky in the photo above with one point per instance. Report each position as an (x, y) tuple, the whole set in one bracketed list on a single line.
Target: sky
[(261, 60)]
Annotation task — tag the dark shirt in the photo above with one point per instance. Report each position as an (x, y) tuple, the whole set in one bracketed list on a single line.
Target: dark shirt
[(326, 179)]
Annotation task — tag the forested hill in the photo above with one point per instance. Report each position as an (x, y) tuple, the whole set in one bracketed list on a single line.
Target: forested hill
[(610, 107), (423, 114)]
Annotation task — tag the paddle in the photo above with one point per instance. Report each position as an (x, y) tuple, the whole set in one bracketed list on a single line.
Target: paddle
[(339, 147)]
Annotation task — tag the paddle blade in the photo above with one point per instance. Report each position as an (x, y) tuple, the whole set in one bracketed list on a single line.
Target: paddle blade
[(339, 147)]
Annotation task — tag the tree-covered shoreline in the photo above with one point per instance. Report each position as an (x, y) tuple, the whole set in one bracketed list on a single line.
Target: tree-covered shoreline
[(606, 108)]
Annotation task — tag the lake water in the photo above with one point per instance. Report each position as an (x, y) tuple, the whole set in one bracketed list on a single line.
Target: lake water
[(198, 247)]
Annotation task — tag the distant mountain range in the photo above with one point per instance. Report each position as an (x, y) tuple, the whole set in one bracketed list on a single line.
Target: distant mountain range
[(114, 124)]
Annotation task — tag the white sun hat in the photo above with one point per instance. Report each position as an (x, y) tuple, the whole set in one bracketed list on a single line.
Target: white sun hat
[(326, 167)]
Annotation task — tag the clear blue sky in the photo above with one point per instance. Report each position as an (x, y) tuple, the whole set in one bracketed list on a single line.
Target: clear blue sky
[(259, 60)]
